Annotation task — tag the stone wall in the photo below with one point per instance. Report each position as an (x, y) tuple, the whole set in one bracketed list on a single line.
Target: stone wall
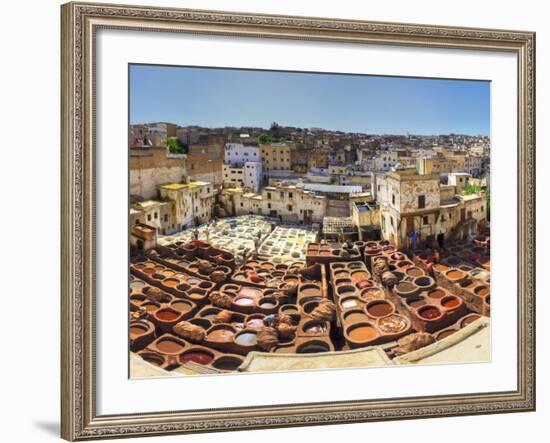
[(150, 168)]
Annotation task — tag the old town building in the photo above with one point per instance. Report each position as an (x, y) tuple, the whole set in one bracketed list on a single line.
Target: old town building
[(191, 203), (412, 207), (153, 166), (242, 166), (275, 157)]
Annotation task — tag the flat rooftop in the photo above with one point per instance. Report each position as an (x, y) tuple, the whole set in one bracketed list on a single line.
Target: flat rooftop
[(337, 189), (177, 186)]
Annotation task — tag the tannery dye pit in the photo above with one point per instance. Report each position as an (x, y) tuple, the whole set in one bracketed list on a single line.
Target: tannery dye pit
[(199, 308)]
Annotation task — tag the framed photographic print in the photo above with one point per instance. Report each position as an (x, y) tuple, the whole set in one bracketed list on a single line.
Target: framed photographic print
[(282, 221)]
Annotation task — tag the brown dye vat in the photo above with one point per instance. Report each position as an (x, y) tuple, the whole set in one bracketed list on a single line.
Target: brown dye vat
[(440, 267), (405, 287), (250, 292), (312, 347), (429, 312), (137, 298), (289, 309), (181, 306), (470, 319), (168, 273), (393, 324), (359, 276), (482, 291), (362, 332), (227, 363), (444, 334), (291, 279), (450, 302), (136, 330), (209, 314), (341, 274), (355, 316), (467, 283), (183, 287), (309, 306), (202, 322), (158, 277), (205, 285), (345, 290), (310, 291), (196, 293), (193, 281), (169, 346), (455, 274), (437, 293), (148, 271), (167, 315), (404, 264), (379, 308), (221, 335), (267, 303), (150, 307), (193, 268), (231, 289), (415, 272), (154, 359), (197, 356)]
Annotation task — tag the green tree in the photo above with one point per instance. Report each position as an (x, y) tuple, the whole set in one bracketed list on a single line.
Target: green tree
[(471, 189), (176, 147)]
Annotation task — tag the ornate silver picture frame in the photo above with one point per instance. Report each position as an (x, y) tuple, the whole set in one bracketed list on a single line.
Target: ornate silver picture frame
[(80, 22)]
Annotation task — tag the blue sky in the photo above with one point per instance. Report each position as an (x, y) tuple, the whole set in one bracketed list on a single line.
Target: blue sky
[(352, 103)]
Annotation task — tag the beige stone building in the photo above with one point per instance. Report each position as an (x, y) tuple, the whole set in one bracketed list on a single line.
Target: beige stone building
[(275, 157), (288, 203), (154, 213), (366, 214), (415, 202), (154, 166), (191, 203)]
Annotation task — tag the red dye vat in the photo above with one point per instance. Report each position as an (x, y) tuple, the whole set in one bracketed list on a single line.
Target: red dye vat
[(202, 358), (430, 313)]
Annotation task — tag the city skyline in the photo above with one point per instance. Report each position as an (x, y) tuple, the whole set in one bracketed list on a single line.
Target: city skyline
[(212, 97)]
